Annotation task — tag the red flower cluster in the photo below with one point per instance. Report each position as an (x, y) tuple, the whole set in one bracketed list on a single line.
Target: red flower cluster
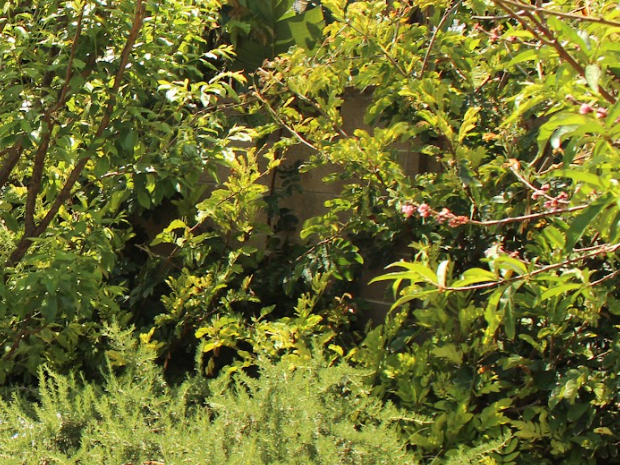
[(407, 210), (425, 211), (554, 203), (541, 192)]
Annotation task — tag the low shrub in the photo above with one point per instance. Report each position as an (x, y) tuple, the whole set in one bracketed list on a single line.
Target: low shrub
[(293, 414)]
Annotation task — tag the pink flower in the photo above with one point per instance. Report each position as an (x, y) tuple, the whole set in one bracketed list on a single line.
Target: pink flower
[(585, 109), (457, 221), (552, 204), (424, 210), (407, 210), (541, 192), (601, 113), (444, 215)]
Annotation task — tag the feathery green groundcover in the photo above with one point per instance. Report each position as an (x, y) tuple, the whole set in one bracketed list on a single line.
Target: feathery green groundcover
[(289, 415)]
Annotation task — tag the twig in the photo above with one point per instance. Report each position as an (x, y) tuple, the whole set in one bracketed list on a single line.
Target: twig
[(491, 18), (604, 278), (548, 38), (529, 185), (307, 101), (533, 216), (603, 249), (435, 33), (561, 14)]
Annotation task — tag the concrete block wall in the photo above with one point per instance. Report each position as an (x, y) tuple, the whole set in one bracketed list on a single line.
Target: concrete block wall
[(315, 192)]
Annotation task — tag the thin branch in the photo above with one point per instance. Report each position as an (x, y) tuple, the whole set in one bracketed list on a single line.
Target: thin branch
[(69, 73), (531, 186), (604, 278), (491, 18), (34, 185), (280, 121), (309, 144), (603, 249), (561, 14), (533, 216), (550, 39), (435, 33), (38, 167), (307, 101)]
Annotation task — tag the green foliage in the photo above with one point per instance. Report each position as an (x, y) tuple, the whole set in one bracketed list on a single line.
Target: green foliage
[(107, 112), (506, 334), (509, 325), (263, 30), (306, 413)]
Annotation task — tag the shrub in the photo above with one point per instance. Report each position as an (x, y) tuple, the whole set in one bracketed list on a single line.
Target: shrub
[(291, 414)]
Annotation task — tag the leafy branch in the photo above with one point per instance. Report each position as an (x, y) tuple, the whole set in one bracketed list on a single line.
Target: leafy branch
[(546, 36), (65, 193)]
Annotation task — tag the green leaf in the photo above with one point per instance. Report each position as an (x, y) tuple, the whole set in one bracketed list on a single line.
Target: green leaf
[(469, 122), (576, 410), (143, 199), (491, 315), (418, 295), (415, 272), (129, 140), (556, 139), (442, 271), (450, 352), (557, 290), (593, 74), (507, 302), (529, 54), (504, 262), (593, 180), (582, 221), (11, 222), (475, 276)]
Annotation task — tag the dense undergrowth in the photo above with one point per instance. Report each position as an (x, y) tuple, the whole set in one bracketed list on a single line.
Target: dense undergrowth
[(151, 177)]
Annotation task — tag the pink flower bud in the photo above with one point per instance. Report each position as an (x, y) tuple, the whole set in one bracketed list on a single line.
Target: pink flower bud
[(585, 109), (424, 210), (601, 113), (443, 215), (407, 210), (458, 221)]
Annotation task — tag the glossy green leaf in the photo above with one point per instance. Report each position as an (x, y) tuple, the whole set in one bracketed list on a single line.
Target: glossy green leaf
[(584, 220), (593, 74)]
